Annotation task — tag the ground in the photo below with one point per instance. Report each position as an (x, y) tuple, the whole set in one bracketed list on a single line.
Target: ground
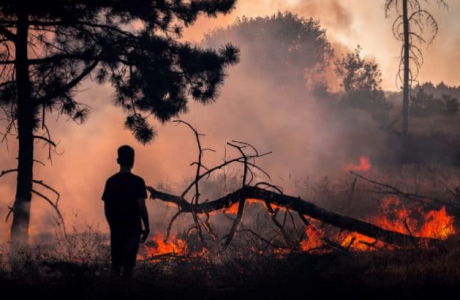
[(396, 274)]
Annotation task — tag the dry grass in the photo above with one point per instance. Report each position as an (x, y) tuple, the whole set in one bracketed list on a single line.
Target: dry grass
[(77, 266), (31, 272)]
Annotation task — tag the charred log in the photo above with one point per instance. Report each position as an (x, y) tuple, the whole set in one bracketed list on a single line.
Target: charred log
[(297, 204)]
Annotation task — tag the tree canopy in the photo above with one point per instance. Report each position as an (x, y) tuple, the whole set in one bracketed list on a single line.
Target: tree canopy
[(133, 46), (360, 79), (283, 46)]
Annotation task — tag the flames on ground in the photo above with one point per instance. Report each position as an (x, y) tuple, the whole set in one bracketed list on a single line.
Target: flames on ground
[(364, 165), (394, 215), (157, 245)]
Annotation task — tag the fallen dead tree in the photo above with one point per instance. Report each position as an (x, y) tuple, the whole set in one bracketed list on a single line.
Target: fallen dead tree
[(271, 196), (295, 204)]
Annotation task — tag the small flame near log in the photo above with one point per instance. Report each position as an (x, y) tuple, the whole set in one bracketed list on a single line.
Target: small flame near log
[(157, 245), (364, 165)]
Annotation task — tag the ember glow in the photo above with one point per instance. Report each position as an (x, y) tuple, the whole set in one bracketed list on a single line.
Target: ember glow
[(363, 166)]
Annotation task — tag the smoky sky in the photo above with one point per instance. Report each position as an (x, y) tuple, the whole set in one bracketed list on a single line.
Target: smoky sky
[(353, 22)]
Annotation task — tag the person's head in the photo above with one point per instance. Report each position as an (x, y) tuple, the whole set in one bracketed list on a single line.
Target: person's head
[(125, 156)]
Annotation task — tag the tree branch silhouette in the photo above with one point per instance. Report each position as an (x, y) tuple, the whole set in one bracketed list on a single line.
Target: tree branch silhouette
[(272, 195)]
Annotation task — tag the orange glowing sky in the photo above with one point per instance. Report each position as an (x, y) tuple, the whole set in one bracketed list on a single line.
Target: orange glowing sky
[(89, 151)]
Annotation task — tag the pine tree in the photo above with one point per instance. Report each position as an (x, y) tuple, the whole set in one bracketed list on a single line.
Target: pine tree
[(48, 47)]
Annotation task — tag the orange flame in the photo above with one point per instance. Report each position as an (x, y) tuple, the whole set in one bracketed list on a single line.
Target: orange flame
[(396, 217), (157, 245), (233, 209), (363, 166), (359, 242), (438, 224), (313, 240)]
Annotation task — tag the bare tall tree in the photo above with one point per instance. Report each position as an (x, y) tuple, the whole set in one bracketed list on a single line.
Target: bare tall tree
[(411, 23)]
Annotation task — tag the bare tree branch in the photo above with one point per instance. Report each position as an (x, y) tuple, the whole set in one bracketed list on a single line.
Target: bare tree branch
[(40, 182), (54, 206), (4, 172), (386, 189), (39, 137)]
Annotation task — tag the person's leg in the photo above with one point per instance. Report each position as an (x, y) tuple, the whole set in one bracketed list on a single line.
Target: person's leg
[(117, 249), (130, 254)]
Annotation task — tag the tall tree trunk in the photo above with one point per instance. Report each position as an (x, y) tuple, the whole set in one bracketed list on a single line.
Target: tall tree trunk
[(25, 117), (406, 87)]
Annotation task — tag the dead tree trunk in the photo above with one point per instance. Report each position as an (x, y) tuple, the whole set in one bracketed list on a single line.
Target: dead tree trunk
[(297, 204), (411, 23), (406, 84)]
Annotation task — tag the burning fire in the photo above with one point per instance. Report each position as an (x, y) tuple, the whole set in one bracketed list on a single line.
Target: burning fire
[(313, 240), (363, 166), (158, 246), (434, 224), (233, 210), (394, 216)]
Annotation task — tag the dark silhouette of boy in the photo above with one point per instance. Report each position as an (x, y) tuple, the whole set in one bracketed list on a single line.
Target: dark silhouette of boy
[(124, 205)]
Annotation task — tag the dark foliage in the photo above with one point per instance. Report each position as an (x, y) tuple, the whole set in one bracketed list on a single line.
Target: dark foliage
[(439, 89), (132, 45), (423, 104)]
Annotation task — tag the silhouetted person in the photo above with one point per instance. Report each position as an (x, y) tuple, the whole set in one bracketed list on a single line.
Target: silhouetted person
[(124, 204)]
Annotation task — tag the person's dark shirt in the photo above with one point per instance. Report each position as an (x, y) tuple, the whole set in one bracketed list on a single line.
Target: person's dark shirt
[(121, 195)]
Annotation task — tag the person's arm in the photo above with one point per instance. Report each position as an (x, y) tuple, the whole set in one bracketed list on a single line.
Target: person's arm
[(144, 218), (106, 195)]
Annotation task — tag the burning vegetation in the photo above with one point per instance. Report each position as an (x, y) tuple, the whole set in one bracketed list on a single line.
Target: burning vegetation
[(402, 220), (394, 216), (363, 166)]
